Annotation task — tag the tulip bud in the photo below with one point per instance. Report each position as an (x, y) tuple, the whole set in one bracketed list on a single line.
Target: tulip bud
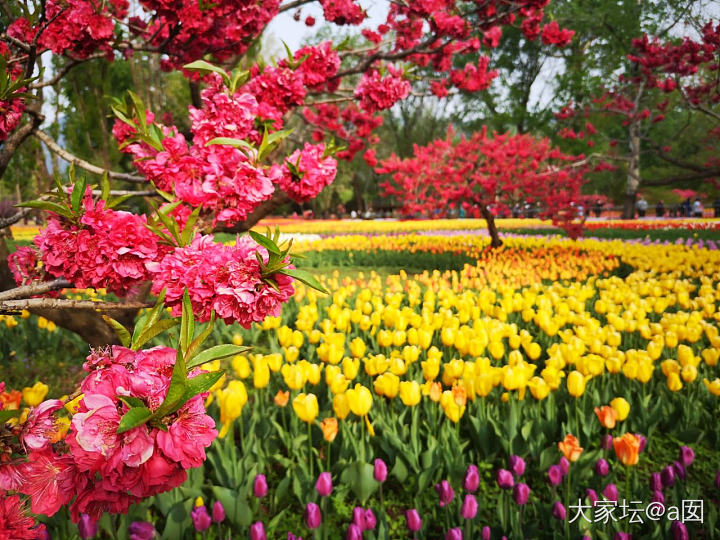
[(607, 442), (656, 482), (454, 534), (555, 475), (370, 520), (668, 476), (324, 484), (313, 516), (380, 471), (592, 495), (658, 497), (472, 479), (486, 533), (359, 518), (414, 523), (141, 530), (622, 536), (291, 536), (564, 465), (200, 518), (257, 531), (558, 511), (260, 487), (643, 442), (680, 470), (521, 493), (611, 492), (602, 467), (354, 533), (505, 479), (679, 531), (87, 526), (687, 456), (445, 491), (517, 465), (469, 507), (218, 512)]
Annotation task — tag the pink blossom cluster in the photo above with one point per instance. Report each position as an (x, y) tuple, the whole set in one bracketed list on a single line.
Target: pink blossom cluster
[(474, 77), (320, 64), (223, 278), (343, 12), (11, 112), (306, 172), (96, 469), (277, 90), (16, 524), (23, 265), (377, 93), (104, 249), (552, 34)]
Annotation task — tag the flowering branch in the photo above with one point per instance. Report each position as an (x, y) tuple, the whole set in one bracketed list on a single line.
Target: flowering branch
[(10, 306), (36, 288)]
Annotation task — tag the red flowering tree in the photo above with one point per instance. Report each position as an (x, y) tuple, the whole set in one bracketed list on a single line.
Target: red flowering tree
[(487, 175), (675, 79)]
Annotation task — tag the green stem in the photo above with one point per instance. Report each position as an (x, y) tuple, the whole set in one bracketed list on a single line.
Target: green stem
[(567, 503), (310, 448)]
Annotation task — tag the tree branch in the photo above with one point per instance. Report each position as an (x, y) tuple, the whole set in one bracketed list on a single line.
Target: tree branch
[(13, 306), (294, 4), (64, 71), (27, 291), (71, 158), (709, 173), (17, 216)]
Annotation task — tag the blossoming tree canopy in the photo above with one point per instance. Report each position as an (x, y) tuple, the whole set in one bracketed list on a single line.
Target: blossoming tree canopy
[(485, 175)]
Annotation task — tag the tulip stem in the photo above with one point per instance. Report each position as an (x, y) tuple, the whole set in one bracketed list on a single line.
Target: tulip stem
[(310, 456), (567, 503)]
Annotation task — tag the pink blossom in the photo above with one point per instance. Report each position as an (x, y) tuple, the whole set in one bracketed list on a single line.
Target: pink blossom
[(40, 425), (306, 172), (188, 435), (377, 93), (51, 481)]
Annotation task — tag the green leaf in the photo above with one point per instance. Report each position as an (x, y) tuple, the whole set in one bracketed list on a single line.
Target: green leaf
[(217, 352), (239, 77), (153, 331), (117, 201), (131, 401), (77, 194), (203, 66), (185, 237), (178, 384), (187, 324), (105, 186), (120, 331), (229, 141), (135, 417), (359, 476), (265, 242), (201, 383), (306, 277), (6, 415), (198, 341), (140, 109), (49, 206), (149, 318)]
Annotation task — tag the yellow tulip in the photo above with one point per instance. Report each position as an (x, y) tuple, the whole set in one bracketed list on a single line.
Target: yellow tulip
[(576, 384), (674, 383), (450, 406), (689, 373), (431, 368), (410, 393), (241, 366), (261, 373), (711, 356), (306, 407), (387, 385), (539, 388), (341, 406), (357, 347), (33, 396), (237, 339), (274, 361), (293, 376), (291, 353), (231, 401), (621, 407), (350, 367), (713, 386), (360, 400)]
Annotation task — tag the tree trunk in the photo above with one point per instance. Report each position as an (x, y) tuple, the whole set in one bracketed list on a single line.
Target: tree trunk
[(633, 172), (492, 228)]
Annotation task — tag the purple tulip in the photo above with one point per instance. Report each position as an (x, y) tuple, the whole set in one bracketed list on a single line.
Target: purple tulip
[(668, 476), (313, 516), (454, 534), (359, 518), (87, 526), (643, 442), (486, 533), (218, 512), (656, 482), (354, 532), (687, 456), (291, 536), (469, 507), (324, 484), (717, 479), (257, 531), (679, 531), (414, 523), (607, 442), (260, 487), (622, 536), (472, 479), (555, 475), (680, 470), (564, 465), (517, 465), (592, 495), (380, 470), (558, 511), (602, 467), (370, 520), (611, 492), (200, 518), (658, 497), (141, 530), (521, 493), (445, 491), (505, 479)]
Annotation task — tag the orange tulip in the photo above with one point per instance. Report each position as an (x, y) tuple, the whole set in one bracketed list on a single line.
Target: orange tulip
[(459, 395), (329, 428), (627, 448), (607, 416), (570, 447), (435, 391), (282, 398)]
